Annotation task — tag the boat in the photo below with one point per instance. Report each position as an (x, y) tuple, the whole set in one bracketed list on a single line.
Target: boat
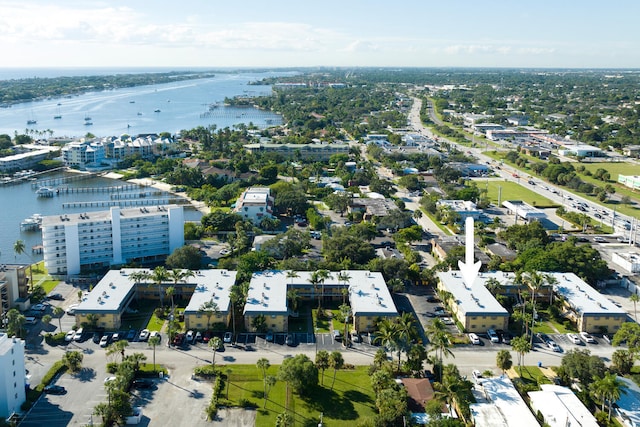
[(32, 223), (87, 118), (32, 122), (157, 110), (57, 116), (88, 123), (139, 113), (132, 102), (45, 192)]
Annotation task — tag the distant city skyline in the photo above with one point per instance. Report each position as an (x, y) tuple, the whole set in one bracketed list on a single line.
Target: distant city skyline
[(356, 33)]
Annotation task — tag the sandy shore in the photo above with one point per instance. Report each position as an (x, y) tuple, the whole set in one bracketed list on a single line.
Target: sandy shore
[(147, 182)]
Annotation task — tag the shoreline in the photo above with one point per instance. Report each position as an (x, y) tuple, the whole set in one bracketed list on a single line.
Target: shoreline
[(147, 182)]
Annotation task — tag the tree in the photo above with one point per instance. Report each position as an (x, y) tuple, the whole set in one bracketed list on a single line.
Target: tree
[(439, 338), (73, 360), (387, 334), (209, 308), (300, 373), (154, 342), (15, 322), (336, 362), (610, 388), (259, 323), (214, 344), (322, 362), (634, 298), (392, 405), (58, 312), (522, 346), (294, 298), (263, 364), (187, 257), (629, 332), (118, 347), (46, 319), (19, 249), (622, 361), (503, 360), (581, 365), (269, 381), (159, 276)]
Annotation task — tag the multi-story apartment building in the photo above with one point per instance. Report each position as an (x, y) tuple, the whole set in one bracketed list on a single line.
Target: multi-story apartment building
[(255, 204), (28, 156), (14, 285), (82, 154), (100, 239), (313, 151), (12, 375)]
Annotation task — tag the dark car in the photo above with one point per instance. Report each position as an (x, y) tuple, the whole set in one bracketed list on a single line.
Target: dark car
[(542, 337), (290, 340), (57, 297), (131, 335), (96, 337), (178, 339), (142, 383), (432, 298), (55, 389)]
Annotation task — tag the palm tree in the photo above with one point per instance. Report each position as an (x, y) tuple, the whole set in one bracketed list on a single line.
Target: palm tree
[(118, 347), (503, 360), (493, 285), (153, 342), (406, 333), (336, 362), (159, 276), (634, 298), (322, 363), (19, 247), (269, 381), (314, 280), (209, 308), (177, 276), (439, 338), (170, 291), (215, 344), (322, 276), (522, 346), (609, 389), (263, 364), (535, 281), (294, 299), (58, 312), (291, 274)]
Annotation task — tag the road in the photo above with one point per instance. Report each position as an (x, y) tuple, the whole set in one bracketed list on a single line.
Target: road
[(560, 195)]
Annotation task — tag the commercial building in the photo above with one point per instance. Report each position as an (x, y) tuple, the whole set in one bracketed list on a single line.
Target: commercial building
[(581, 150), (589, 309), (504, 407), (12, 375), (312, 151), (523, 210), (630, 261), (367, 294), (113, 295), (560, 407), (474, 307), (255, 204), (631, 181), (83, 154), (101, 239), (464, 208)]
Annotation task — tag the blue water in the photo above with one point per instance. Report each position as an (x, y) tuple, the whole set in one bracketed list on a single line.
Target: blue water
[(181, 105)]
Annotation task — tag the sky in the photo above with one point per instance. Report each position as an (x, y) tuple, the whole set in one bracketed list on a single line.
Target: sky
[(347, 33)]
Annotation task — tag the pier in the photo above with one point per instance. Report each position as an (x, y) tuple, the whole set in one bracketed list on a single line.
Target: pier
[(50, 182), (125, 203), (129, 196), (116, 189)]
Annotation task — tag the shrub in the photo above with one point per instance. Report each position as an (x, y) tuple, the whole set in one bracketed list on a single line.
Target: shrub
[(54, 339), (58, 368), (246, 403), (112, 367), (146, 370), (206, 371)]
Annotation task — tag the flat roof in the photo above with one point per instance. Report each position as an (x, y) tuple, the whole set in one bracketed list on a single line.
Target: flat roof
[(561, 407), (211, 285), (368, 291), (475, 299), (582, 297), (511, 408), (93, 216), (110, 292), (523, 209), (267, 293)]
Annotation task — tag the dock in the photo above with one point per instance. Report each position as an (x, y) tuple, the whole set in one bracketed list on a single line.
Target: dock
[(116, 189), (125, 203), (50, 182)]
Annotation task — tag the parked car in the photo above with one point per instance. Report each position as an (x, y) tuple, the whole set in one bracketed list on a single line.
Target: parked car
[(198, 336), (131, 335), (543, 337), (142, 383), (269, 337), (493, 336), (104, 341), (69, 336), (475, 340), (71, 310), (355, 337), (206, 337), (432, 298), (290, 340), (477, 376), (553, 346), (587, 337), (96, 337), (190, 337), (109, 379), (337, 336), (154, 334), (178, 339), (448, 321), (227, 338), (57, 297), (574, 339), (144, 335), (115, 337), (39, 307), (55, 389), (78, 334)]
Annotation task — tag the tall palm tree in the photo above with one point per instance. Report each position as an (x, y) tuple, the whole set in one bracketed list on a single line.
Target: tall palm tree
[(322, 275), (153, 342), (610, 389), (406, 333), (292, 274), (159, 276), (522, 346), (535, 281), (58, 312), (314, 280), (387, 334), (19, 248), (634, 298), (263, 364), (209, 308), (493, 285), (294, 298), (169, 292), (336, 362), (322, 363), (177, 275), (439, 338)]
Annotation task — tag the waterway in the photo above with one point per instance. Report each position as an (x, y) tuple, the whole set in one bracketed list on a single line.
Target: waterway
[(20, 201), (168, 107)]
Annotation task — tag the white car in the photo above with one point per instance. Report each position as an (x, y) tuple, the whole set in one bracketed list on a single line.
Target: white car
[(104, 341), (154, 334), (69, 336), (227, 337), (493, 336), (475, 340), (225, 252), (78, 335), (587, 337), (553, 346), (144, 335), (574, 339), (109, 379), (477, 376), (71, 310), (448, 321)]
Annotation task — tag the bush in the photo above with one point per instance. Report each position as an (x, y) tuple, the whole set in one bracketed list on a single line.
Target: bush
[(112, 367), (246, 403), (54, 339), (146, 370), (206, 371), (58, 368)]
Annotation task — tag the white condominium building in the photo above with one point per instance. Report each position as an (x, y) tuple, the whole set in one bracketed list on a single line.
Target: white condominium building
[(255, 204), (12, 376), (117, 236)]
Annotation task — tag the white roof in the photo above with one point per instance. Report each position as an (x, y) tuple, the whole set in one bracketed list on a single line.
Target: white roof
[(474, 300), (523, 209), (512, 409), (561, 407), (110, 292), (369, 294), (582, 297), (267, 293), (211, 285)]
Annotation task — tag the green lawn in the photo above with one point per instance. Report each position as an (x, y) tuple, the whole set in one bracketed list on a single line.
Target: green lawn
[(512, 191), (351, 399), (532, 374), (41, 277)]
